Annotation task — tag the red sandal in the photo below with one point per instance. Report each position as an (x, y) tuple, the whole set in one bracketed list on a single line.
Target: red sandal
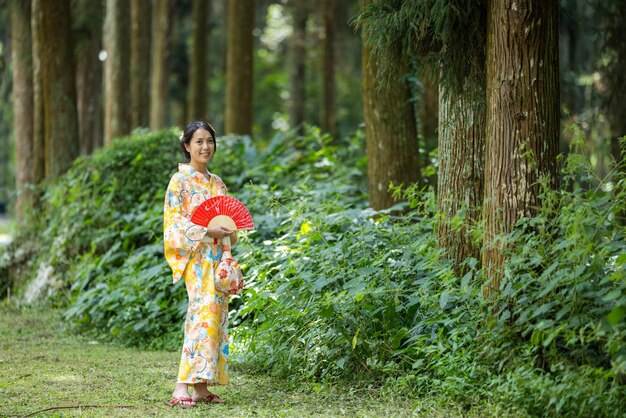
[(210, 398), (181, 402)]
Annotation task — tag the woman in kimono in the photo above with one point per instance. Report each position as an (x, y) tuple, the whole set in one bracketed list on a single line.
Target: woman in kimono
[(193, 253)]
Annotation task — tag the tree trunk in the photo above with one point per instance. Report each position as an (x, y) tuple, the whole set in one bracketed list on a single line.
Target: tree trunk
[(117, 117), (39, 131), (140, 63), (297, 73), (88, 35), (198, 62), (615, 74), (390, 131), (329, 116), (428, 114), (461, 174), (239, 67), (59, 87), (522, 118), (159, 87), (21, 57)]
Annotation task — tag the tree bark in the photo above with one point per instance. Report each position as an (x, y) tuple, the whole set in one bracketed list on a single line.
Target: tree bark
[(239, 67), (117, 117), (461, 174), (159, 87), (140, 63), (297, 73), (88, 34), (21, 56), (329, 115), (198, 62), (39, 131), (522, 118), (390, 131), (59, 87)]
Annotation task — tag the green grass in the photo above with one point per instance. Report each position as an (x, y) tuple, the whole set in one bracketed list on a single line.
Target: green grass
[(42, 366)]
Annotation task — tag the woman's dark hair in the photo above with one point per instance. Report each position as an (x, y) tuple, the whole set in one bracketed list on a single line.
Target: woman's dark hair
[(189, 131)]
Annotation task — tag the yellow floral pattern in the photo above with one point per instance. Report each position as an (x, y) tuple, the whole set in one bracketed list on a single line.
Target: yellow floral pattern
[(193, 256)]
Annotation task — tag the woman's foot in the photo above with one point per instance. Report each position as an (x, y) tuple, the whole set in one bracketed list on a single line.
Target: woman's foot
[(183, 402), (180, 397), (209, 398), (201, 394)]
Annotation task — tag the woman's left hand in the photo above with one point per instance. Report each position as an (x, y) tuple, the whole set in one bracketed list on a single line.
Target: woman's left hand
[(233, 238)]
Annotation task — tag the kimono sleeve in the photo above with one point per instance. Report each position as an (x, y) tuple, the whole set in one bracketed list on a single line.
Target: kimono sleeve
[(181, 236)]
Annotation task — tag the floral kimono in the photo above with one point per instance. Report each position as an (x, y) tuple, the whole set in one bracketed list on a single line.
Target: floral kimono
[(193, 256)]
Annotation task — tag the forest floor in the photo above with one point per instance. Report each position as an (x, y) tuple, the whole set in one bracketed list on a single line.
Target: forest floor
[(46, 371)]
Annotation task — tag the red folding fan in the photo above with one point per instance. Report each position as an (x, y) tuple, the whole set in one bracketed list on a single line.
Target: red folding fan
[(223, 211)]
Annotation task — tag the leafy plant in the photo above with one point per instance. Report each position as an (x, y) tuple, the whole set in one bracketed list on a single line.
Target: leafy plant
[(338, 291)]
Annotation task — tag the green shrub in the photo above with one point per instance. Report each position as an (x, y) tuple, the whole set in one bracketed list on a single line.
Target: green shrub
[(336, 290)]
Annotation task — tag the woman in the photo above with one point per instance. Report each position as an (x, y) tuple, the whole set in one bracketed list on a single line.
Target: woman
[(193, 252)]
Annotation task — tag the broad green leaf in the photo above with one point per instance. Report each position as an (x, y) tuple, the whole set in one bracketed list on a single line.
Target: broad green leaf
[(616, 315)]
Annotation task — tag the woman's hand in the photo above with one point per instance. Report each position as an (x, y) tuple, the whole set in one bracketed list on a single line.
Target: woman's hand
[(233, 238), (219, 232)]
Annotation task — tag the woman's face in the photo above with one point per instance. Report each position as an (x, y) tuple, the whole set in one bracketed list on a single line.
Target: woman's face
[(201, 147)]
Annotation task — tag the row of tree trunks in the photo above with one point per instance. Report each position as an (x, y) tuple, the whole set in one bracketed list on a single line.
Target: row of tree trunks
[(497, 142), (239, 61), (21, 57), (522, 118)]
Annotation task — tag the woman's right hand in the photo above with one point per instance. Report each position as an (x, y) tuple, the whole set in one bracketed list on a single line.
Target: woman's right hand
[(218, 232)]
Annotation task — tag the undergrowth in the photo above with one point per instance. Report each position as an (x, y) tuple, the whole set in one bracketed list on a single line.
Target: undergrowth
[(337, 292)]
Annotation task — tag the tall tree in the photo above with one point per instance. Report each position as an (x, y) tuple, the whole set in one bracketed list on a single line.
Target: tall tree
[(239, 66), (522, 118), (21, 56), (460, 174), (7, 178), (117, 117), (198, 60), (428, 112), (461, 129), (161, 31), (39, 131), (576, 53), (297, 71), (88, 19), (140, 62), (59, 87), (329, 115), (610, 17), (390, 128)]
